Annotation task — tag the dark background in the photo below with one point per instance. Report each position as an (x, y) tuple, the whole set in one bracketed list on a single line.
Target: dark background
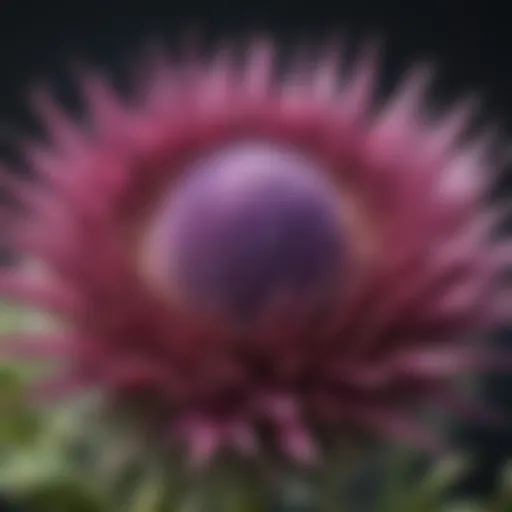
[(471, 45)]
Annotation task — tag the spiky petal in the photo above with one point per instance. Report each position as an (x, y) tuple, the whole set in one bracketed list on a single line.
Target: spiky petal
[(421, 277)]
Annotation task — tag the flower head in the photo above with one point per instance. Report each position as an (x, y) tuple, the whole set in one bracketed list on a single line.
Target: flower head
[(262, 261)]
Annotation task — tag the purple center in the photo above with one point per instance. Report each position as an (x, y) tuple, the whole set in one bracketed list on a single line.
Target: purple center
[(251, 220)]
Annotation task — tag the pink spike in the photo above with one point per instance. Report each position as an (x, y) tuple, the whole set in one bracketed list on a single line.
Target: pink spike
[(462, 182), (49, 297), (41, 206), (500, 309), (280, 408), (404, 109), (298, 444), (293, 438), (243, 438), (64, 132), (71, 183), (260, 67), (501, 256), (327, 76), (223, 64), (104, 105), (51, 247), (205, 440), (484, 149), (217, 84), (479, 231), (37, 346), (11, 183), (383, 313), (447, 132), (50, 166), (325, 84), (358, 93), (459, 303), (503, 211), (156, 80)]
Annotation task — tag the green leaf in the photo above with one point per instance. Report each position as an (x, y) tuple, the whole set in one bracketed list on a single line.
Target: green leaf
[(11, 318), (464, 506), (66, 495), (431, 492)]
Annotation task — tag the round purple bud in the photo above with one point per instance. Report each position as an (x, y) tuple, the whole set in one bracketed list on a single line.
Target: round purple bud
[(251, 220)]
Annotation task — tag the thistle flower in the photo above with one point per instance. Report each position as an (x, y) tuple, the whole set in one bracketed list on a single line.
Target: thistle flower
[(261, 261)]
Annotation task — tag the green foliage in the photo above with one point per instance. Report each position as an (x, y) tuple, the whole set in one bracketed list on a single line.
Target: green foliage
[(57, 460)]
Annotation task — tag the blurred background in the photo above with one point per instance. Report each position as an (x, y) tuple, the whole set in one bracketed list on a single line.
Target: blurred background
[(471, 45)]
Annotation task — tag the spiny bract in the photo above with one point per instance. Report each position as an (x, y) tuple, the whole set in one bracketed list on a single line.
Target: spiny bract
[(260, 261)]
